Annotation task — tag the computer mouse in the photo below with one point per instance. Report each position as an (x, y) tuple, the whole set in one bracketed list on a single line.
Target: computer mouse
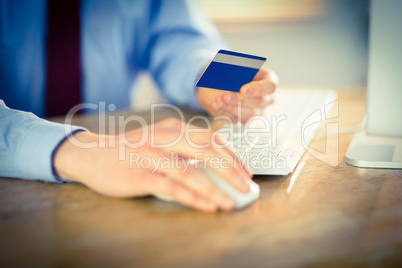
[(242, 200)]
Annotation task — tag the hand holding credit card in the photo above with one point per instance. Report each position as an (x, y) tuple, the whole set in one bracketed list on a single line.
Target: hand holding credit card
[(230, 70)]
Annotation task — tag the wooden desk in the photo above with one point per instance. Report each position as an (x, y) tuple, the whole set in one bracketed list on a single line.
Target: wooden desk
[(318, 216)]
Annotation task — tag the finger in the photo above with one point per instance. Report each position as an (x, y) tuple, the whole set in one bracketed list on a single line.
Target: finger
[(195, 179), (259, 102), (239, 114), (230, 117), (208, 98), (229, 167), (233, 99), (224, 99), (161, 185), (264, 83), (234, 173), (245, 110), (217, 104)]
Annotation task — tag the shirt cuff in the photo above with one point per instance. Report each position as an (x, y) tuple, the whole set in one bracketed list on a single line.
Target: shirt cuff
[(36, 150)]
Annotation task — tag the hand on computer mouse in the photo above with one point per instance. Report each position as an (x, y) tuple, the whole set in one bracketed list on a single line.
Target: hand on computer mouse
[(241, 199), (140, 174)]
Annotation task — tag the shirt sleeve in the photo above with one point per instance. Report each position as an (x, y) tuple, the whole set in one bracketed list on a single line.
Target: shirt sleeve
[(182, 42), (27, 144)]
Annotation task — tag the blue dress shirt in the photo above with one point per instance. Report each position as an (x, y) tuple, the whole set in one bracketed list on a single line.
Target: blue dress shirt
[(173, 40)]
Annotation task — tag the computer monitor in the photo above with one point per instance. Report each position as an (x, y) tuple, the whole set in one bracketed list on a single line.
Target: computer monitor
[(380, 146)]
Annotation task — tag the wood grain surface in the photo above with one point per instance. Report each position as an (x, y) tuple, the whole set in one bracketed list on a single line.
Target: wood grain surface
[(318, 216)]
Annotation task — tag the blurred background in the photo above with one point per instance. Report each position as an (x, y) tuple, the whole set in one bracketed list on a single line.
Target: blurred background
[(308, 43)]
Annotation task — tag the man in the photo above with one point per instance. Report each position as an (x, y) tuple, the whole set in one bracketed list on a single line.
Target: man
[(171, 39)]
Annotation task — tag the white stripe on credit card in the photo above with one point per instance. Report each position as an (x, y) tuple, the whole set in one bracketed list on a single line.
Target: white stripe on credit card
[(236, 60)]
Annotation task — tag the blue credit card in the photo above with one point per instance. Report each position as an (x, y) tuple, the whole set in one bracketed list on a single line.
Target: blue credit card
[(230, 70)]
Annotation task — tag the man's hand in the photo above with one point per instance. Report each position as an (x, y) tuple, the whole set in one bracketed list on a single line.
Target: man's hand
[(137, 172), (250, 101)]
